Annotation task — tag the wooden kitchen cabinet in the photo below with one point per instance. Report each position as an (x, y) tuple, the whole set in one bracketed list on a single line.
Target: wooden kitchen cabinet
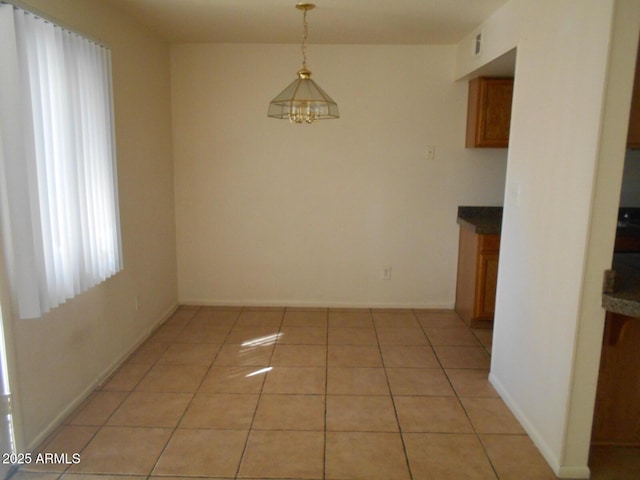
[(633, 135), (616, 418), (477, 277), (627, 244), (489, 112)]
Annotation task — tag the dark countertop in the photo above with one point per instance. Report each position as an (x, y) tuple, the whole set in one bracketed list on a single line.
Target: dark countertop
[(488, 220), (482, 220), (625, 298)]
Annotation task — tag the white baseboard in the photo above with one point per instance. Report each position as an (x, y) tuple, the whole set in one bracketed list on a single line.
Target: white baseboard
[(312, 304), (100, 379), (561, 471), (573, 472)]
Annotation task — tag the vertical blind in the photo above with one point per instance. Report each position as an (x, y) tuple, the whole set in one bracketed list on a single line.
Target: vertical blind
[(58, 180)]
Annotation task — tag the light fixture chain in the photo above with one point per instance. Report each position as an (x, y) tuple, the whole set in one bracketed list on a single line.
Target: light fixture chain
[(304, 38)]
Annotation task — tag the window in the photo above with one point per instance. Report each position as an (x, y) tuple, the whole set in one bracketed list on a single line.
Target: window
[(58, 181)]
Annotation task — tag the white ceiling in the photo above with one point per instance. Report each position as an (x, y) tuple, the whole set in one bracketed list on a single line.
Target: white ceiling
[(332, 22)]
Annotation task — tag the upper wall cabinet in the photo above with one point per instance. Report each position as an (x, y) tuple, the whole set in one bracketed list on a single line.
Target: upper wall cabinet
[(489, 112), (633, 137)]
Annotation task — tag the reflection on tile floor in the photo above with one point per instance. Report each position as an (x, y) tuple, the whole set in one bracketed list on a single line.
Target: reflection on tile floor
[(299, 394)]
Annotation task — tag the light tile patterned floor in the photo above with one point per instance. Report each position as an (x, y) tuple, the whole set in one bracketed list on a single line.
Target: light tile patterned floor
[(300, 394)]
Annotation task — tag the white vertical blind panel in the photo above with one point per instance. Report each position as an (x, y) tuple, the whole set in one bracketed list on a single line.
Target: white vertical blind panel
[(17, 134), (68, 163)]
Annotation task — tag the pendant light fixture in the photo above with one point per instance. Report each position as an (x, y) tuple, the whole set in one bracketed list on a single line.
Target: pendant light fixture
[(303, 101)]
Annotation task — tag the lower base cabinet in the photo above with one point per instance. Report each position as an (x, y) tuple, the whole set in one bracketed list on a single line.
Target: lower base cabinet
[(616, 418), (477, 277)]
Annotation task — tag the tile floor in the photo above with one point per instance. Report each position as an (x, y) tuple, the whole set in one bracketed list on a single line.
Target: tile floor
[(299, 394)]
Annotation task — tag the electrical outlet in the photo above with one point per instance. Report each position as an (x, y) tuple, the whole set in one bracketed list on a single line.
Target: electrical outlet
[(386, 272), (430, 152)]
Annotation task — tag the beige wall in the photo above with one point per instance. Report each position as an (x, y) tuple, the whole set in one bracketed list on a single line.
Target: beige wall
[(58, 359), (273, 213), (564, 172)]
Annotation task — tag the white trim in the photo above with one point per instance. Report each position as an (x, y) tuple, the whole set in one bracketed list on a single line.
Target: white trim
[(313, 304), (574, 472)]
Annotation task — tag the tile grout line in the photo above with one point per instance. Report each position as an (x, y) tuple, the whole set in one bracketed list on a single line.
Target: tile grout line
[(460, 402), (393, 401), (124, 399), (174, 429), (482, 344), (326, 393), (449, 380), (464, 408), (104, 424), (255, 411), (193, 396)]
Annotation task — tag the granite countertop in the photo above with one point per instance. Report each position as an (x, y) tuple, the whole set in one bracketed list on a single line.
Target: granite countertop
[(482, 220), (625, 296)]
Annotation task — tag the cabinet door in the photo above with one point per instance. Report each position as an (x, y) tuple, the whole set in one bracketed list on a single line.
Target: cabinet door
[(616, 419), (488, 282), (467, 273), (489, 112)]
